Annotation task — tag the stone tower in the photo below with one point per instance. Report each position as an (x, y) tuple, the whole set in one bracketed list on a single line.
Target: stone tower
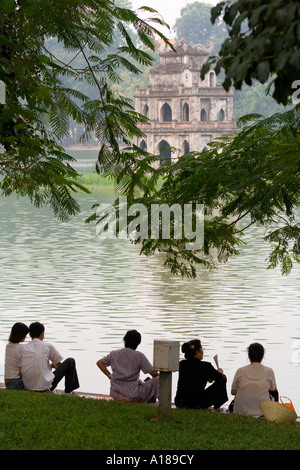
[(185, 112)]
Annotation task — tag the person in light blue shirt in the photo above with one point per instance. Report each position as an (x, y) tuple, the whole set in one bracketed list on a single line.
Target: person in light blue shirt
[(126, 365)]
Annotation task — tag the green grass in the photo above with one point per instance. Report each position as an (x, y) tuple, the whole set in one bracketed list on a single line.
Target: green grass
[(45, 421), (95, 182)]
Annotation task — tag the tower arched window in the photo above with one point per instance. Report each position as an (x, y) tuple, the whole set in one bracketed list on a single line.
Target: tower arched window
[(146, 110), (164, 151), (186, 112), (143, 145), (221, 115), (166, 113), (186, 147), (203, 115), (211, 79)]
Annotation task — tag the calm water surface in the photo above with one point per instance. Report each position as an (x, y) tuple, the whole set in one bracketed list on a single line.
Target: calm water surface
[(88, 292)]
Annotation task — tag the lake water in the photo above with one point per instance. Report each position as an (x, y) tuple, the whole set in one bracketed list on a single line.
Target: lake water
[(88, 292)]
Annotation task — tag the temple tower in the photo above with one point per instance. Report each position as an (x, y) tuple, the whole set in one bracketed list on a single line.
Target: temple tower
[(185, 112)]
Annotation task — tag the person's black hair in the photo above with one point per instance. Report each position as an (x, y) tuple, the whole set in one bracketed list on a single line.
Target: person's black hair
[(256, 352), (189, 349), (36, 329), (132, 339), (18, 332)]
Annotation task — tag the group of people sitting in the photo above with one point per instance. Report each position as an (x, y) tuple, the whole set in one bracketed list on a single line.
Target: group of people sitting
[(251, 384), (38, 366)]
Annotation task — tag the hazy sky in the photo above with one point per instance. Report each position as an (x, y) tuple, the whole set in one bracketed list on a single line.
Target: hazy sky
[(169, 9)]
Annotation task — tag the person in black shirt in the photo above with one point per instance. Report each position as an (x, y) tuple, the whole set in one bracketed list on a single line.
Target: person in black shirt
[(194, 374)]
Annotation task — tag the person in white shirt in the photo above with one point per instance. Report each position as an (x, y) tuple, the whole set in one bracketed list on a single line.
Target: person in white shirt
[(38, 358), (253, 383), (12, 372)]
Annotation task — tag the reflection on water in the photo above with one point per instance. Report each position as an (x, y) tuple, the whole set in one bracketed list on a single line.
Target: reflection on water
[(88, 292)]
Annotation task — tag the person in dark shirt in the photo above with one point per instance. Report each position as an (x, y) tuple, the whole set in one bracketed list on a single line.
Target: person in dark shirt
[(194, 375)]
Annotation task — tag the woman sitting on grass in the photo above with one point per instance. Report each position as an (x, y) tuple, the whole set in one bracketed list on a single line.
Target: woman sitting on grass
[(12, 374), (253, 383), (126, 365), (194, 374)]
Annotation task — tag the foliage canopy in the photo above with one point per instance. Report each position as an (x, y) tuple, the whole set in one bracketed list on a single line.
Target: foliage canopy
[(39, 106), (264, 39), (195, 26), (246, 179)]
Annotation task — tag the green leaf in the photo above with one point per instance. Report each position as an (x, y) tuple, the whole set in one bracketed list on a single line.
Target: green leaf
[(263, 71)]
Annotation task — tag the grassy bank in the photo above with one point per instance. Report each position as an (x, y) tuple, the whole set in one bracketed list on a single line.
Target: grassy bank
[(95, 182), (33, 421)]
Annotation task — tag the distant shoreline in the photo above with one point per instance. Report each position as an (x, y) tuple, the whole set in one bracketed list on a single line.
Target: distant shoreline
[(79, 147)]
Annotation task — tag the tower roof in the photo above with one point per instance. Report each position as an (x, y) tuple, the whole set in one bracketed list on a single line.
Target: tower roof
[(185, 56), (182, 47)]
